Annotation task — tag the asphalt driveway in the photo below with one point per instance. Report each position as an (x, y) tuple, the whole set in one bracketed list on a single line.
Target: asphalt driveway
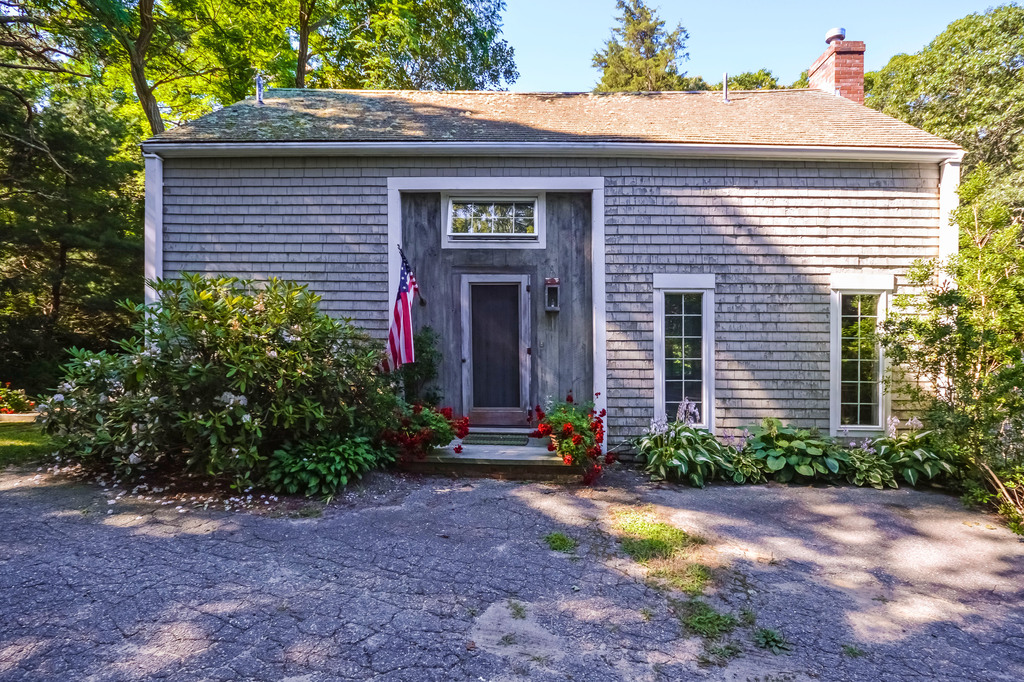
[(413, 578)]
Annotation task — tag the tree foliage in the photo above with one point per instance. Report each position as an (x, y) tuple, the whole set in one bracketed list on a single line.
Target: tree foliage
[(70, 221), (967, 86), (641, 55), (762, 79)]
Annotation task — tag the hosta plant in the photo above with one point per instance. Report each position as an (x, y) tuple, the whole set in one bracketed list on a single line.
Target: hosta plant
[(678, 450), (867, 466), (910, 452), (790, 453), (575, 432), (319, 468)]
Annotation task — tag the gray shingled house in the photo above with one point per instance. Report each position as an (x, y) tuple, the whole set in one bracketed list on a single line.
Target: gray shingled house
[(642, 246)]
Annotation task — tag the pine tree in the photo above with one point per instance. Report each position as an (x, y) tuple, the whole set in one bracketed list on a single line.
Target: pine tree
[(641, 55)]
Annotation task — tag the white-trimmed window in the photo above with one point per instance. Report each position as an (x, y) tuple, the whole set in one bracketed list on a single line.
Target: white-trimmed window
[(858, 398), (684, 346), (494, 221)]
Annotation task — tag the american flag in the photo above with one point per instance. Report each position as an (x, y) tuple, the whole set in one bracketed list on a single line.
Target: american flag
[(400, 349)]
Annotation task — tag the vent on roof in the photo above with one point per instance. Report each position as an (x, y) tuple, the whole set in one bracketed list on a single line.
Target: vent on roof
[(835, 34)]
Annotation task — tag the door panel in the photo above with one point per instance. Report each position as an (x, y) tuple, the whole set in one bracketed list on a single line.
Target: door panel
[(495, 329)]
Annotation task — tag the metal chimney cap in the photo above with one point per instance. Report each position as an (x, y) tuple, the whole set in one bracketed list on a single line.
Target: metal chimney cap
[(834, 34)]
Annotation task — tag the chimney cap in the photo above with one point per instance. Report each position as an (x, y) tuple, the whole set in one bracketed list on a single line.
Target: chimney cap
[(834, 34)]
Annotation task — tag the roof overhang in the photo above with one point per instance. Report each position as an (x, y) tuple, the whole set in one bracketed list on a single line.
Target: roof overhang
[(628, 149)]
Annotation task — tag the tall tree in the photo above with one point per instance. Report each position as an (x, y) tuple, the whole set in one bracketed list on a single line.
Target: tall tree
[(69, 221), (967, 86), (641, 55), (762, 79)]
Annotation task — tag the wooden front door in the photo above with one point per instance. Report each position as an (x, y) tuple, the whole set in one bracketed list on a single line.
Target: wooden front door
[(495, 349)]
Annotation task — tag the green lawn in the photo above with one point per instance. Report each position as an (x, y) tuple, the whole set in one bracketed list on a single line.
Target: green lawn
[(22, 443)]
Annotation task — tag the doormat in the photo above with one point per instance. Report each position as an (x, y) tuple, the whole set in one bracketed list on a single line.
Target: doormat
[(496, 439)]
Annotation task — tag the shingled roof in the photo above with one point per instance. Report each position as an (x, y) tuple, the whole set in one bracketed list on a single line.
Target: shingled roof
[(762, 117)]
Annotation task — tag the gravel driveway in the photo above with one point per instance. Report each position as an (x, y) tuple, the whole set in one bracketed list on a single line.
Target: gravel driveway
[(413, 578)]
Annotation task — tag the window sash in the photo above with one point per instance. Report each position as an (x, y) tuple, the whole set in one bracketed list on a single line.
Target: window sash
[(684, 352), (506, 218), (858, 365)]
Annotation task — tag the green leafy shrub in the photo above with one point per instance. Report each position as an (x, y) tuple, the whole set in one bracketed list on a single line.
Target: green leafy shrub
[(419, 429), (747, 468), (321, 468), (678, 450), (575, 431), (223, 374), (418, 378), (1008, 499), (14, 400), (790, 453), (701, 619)]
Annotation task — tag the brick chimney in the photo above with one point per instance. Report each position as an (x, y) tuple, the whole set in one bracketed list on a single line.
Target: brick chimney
[(840, 69)]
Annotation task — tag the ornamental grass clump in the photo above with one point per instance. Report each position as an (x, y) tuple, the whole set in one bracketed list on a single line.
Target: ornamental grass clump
[(575, 432), (223, 374)]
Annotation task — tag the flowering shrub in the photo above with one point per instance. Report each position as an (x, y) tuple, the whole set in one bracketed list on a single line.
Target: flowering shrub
[(321, 467), (421, 428), (13, 400), (575, 432), (222, 374)]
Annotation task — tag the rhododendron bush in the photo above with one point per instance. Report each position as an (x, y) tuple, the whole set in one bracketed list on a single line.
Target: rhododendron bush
[(575, 432), (223, 373)]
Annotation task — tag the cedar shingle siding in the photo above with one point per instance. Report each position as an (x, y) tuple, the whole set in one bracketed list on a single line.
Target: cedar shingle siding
[(772, 232)]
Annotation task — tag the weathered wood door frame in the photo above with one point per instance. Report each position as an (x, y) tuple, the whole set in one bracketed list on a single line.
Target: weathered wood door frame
[(523, 281)]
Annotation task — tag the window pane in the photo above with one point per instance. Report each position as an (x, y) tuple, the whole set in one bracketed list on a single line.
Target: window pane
[(673, 304), (684, 361), (501, 218), (859, 367)]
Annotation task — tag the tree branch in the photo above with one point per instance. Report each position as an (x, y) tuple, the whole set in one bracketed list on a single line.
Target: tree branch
[(47, 69)]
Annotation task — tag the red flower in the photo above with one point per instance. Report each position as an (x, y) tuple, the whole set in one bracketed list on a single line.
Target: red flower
[(609, 458), (567, 428), (592, 474), (577, 439), (457, 449), (446, 412), (597, 395), (568, 398), (544, 429), (567, 459), (551, 447)]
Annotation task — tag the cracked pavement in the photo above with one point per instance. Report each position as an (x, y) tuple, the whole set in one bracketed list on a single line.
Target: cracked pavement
[(407, 578)]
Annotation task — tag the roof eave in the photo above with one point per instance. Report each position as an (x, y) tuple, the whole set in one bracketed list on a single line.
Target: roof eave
[(172, 149)]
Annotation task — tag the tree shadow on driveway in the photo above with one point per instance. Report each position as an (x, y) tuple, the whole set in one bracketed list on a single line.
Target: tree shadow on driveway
[(421, 579)]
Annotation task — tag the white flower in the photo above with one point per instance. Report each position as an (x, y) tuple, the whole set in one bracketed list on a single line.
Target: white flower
[(891, 426), (914, 424), (153, 400), (58, 398), (102, 397), (271, 353), (134, 458), (246, 418)]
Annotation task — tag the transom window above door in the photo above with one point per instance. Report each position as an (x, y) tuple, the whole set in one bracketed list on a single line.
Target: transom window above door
[(507, 222)]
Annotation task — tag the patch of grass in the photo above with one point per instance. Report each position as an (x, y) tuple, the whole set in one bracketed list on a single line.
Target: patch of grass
[(683, 576), (748, 616), (853, 651), (560, 542), (23, 443), (507, 640), (645, 538), (719, 654), (700, 619), (517, 610), (647, 614), (772, 640)]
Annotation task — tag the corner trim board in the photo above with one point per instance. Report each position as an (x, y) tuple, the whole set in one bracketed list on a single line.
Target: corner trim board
[(154, 223)]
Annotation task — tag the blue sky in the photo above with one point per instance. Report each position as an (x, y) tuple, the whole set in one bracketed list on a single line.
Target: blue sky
[(555, 39)]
